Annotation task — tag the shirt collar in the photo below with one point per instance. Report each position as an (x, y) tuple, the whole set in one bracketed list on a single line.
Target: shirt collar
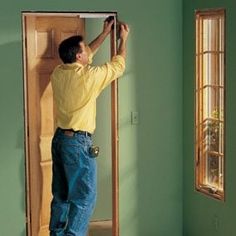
[(71, 66)]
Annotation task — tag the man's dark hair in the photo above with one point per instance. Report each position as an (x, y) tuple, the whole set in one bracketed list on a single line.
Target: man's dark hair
[(69, 47)]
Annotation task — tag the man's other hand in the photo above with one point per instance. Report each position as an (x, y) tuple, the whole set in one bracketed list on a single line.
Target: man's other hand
[(124, 31)]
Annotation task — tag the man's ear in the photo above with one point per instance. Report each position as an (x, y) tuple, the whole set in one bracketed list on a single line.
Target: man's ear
[(78, 56)]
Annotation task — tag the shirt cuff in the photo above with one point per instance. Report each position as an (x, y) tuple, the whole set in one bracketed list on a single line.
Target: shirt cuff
[(119, 59)]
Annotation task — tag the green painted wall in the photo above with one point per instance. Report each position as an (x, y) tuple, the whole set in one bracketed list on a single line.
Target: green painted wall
[(150, 152), (202, 215)]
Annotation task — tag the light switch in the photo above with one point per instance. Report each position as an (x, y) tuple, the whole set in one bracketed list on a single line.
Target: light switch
[(134, 117)]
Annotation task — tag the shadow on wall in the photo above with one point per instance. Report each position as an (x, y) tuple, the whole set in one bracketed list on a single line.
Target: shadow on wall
[(12, 126), (11, 95)]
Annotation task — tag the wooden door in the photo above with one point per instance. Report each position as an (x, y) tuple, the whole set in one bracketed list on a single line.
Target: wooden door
[(42, 36)]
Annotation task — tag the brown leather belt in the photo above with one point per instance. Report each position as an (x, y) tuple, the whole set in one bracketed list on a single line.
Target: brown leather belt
[(71, 132)]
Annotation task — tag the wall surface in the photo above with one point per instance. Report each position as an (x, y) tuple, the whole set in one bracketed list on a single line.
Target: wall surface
[(202, 215), (150, 152)]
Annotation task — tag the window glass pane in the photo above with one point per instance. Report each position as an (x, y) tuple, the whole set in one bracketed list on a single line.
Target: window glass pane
[(221, 69), (210, 30), (213, 131), (206, 103), (221, 34), (221, 139), (213, 171), (213, 106), (210, 65), (221, 104)]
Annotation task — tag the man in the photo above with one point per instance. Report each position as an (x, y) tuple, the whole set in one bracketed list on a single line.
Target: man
[(76, 86)]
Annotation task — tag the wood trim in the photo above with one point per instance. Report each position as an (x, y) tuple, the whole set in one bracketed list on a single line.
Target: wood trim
[(200, 153), (196, 151), (210, 12), (26, 131), (114, 115), (71, 14), (115, 143), (206, 191), (224, 135)]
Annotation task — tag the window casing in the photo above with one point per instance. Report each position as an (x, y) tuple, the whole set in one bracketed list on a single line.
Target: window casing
[(210, 103)]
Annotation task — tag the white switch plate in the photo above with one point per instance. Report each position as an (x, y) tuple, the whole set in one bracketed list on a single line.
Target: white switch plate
[(134, 117)]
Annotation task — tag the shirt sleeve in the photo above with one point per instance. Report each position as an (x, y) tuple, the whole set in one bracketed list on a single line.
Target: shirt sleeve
[(102, 76)]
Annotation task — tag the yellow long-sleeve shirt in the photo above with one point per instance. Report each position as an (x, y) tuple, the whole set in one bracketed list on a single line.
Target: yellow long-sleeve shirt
[(76, 88)]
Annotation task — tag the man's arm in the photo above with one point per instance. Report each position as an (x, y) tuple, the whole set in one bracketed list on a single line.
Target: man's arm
[(96, 43), (124, 32), (102, 76)]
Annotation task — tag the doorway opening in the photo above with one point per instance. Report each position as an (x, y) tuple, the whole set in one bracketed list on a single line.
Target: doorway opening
[(42, 33)]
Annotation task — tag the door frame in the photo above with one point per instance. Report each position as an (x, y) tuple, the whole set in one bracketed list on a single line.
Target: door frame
[(114, 113)]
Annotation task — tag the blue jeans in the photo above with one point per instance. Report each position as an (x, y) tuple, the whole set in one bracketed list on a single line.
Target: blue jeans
[(73, 184)]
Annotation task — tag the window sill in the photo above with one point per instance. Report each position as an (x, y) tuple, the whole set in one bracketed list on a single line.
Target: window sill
[(211, 192)]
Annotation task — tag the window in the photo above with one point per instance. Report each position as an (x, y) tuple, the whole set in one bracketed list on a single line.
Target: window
[(210, 103)]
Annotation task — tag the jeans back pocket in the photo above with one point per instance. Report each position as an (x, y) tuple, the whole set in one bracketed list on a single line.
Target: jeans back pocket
[(69, 152)]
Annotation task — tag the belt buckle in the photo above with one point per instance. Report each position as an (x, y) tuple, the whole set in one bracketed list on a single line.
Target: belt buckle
[(69, 133)]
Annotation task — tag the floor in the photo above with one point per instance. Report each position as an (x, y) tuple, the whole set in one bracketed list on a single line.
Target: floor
[(100, 228)]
